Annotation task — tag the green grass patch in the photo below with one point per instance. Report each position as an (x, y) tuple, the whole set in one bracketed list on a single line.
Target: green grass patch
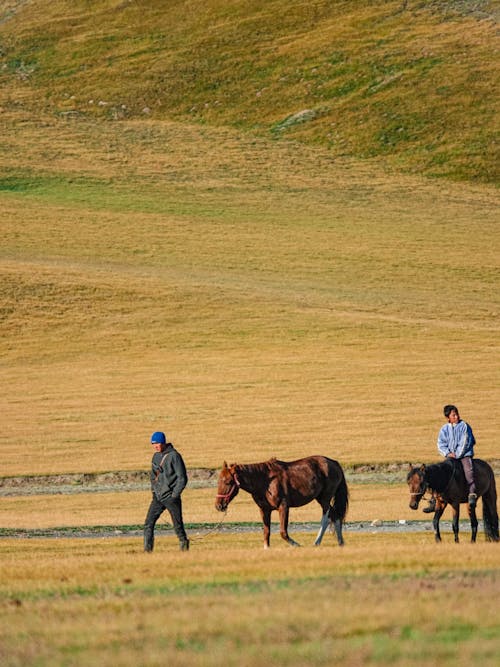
[(248, 607), (247, 66)]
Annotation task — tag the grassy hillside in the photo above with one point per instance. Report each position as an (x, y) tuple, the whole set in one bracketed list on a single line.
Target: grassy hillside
[(259, 301), (414, 83), (243, 283)]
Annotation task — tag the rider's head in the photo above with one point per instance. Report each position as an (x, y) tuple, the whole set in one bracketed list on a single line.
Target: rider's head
[(448, 410)]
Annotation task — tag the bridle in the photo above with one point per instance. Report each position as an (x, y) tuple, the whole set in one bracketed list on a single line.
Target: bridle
[(230, 494), (423, 488), (425, 485)]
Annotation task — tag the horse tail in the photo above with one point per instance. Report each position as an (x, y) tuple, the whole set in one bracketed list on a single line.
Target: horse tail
[(340, 500), (490, 515)]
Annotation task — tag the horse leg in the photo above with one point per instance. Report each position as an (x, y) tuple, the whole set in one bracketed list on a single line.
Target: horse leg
[(473, 522), (435, 522), (338, 530), (266, 520), (284, 512), (454, 522), (325, 520)]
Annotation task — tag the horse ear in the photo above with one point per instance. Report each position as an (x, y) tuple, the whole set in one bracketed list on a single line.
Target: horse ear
[(422, 467), (224, 465), (410, 466)]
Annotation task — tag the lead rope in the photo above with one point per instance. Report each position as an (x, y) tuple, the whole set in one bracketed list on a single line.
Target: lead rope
[(199, 538), (217, 526)]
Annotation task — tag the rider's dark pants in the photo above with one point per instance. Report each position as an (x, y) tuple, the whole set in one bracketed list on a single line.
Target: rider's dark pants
[(156, 509), (469, 473)]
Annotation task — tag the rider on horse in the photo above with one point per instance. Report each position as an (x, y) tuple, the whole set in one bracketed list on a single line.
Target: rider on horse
[(456, 441)]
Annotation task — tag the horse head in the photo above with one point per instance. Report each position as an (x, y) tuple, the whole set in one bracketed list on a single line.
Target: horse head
[(416, 484), (227, 487)]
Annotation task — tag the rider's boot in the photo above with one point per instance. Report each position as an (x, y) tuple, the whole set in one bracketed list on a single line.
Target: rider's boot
[(431, 507)]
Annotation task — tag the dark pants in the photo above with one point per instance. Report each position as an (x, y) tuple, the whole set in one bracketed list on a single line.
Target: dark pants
[(467, 465), (156, 509)]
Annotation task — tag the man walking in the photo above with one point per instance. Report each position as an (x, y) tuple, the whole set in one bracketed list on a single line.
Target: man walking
[(168, 480)]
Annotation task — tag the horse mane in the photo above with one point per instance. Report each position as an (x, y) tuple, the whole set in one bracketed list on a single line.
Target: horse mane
[(270, 465), (438, 475), (273, 464)]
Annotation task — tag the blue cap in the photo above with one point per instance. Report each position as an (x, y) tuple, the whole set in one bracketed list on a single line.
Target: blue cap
[(158, 438)]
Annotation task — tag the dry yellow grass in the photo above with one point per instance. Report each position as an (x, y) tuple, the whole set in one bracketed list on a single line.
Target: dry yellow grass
[(290, 625), (39, 566), (105, 601), (261, 301)]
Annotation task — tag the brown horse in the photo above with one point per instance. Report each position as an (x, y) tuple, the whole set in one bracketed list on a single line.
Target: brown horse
[(447, 479), (279, 485)]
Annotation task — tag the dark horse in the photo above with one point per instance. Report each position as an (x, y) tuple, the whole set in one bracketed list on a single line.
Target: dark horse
[(279, 485), (447, 479)]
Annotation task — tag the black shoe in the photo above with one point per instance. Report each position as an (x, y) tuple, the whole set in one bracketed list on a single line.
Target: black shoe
[(184, 545), (431, 507), (472, 500)]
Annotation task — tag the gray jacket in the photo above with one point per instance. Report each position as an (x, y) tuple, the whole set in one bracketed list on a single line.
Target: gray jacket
[(168, 474)]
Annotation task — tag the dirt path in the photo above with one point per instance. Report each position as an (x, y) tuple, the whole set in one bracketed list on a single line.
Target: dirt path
[(199, 532)]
